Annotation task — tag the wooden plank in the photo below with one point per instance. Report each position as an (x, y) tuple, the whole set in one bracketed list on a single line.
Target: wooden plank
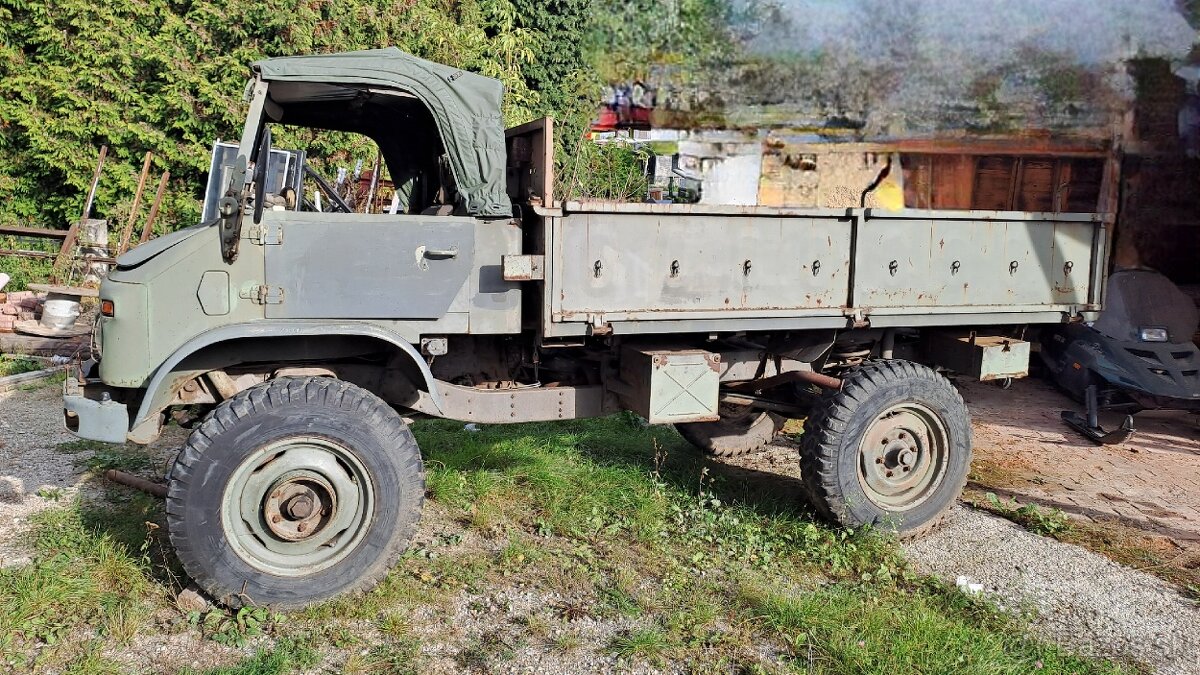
[(137, 201), (24, 379), (148, 229), (65, 253), (14, 343), (954, 181)]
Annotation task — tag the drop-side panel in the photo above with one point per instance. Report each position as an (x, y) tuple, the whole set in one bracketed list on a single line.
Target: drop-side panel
[(1072, 266), (981, 263), (648, 266)]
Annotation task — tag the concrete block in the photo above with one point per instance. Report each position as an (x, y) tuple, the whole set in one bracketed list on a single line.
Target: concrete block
[(7, 323), (17, 296), (9, 310)]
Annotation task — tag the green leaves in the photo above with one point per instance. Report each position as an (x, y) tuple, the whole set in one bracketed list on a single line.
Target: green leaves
[(168, 77)]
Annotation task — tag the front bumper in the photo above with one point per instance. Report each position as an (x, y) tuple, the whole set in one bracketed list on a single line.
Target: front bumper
[(95, 419)]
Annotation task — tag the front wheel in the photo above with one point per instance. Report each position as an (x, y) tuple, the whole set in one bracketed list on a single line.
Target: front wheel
[(293, 492), (892, 448)]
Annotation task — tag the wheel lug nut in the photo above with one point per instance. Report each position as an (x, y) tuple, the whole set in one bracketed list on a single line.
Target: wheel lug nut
[(907, 468), (275, 518), (302, 527), (889, 474), (879, 460)]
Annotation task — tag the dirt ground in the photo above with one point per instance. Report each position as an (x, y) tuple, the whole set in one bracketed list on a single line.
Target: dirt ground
[(1150, 483)]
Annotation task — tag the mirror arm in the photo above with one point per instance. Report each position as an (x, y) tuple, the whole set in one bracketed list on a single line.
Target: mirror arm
[(231, 208), (233, 203)]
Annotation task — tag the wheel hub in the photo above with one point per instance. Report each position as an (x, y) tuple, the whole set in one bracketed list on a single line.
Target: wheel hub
[(903, 456), (298, 505)]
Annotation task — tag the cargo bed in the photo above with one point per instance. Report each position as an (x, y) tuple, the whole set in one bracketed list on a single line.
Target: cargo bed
[(664, 268)]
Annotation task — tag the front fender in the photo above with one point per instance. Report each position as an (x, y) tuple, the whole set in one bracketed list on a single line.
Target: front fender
[(165, 381)]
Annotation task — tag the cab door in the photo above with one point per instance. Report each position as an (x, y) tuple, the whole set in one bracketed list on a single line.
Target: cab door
[(364, 266)]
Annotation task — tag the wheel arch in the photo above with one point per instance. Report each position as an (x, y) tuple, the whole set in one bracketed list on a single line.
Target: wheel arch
[(283, 341)]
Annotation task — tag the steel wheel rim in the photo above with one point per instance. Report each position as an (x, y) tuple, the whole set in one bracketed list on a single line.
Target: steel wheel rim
[(903, 457), (297, 506)]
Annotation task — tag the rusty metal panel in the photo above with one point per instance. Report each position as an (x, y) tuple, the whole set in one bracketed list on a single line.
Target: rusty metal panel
[(1072, 265), (523, 267), (643, 266)]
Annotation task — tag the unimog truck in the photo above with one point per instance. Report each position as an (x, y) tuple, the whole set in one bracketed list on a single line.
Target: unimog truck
[(301, 343)]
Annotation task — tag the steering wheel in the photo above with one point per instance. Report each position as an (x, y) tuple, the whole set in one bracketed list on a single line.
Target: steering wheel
[(262, 161)]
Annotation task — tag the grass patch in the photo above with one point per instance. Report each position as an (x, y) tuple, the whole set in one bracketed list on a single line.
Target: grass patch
[(81, 577), (285, 656), (647, 643), (850, 628)]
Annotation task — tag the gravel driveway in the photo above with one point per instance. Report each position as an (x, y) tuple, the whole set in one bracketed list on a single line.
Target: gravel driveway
[(30, 428), (1080, 598)]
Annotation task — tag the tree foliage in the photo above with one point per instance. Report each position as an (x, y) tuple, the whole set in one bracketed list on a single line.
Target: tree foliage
[(168, 76)]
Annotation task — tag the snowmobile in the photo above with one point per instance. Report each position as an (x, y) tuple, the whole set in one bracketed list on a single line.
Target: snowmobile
[(1138, 355)]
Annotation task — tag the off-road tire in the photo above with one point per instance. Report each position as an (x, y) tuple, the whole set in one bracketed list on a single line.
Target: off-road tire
[(314, 408), (830, 451), (733, 438)]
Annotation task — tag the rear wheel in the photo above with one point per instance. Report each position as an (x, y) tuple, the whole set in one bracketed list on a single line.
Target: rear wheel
[(891, 448), (740, 431), (293, 492)]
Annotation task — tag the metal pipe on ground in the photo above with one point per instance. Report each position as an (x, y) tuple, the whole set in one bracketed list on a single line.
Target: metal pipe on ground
[(130, 480)]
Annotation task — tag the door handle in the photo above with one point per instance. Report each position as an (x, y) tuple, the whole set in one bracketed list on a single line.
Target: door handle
[(441, 253)]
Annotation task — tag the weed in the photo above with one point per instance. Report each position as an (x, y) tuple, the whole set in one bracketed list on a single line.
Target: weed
[(650, 644), (1050, 523), (567, 641), (483, 653), (16, 365), (90, 662), (235, 628), (397, 657), (617, 600), (52, 493), (121, 458), (285, 656)]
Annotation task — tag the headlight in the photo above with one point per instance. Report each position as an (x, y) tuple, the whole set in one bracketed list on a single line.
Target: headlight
[(1152, 334)]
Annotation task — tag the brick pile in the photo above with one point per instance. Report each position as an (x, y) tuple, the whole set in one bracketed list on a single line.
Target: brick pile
[(17, 306)]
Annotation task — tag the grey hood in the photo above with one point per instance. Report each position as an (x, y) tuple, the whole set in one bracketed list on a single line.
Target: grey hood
[(140, 254)]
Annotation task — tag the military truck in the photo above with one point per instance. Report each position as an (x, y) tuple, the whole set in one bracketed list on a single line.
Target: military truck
[(301, 343)]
